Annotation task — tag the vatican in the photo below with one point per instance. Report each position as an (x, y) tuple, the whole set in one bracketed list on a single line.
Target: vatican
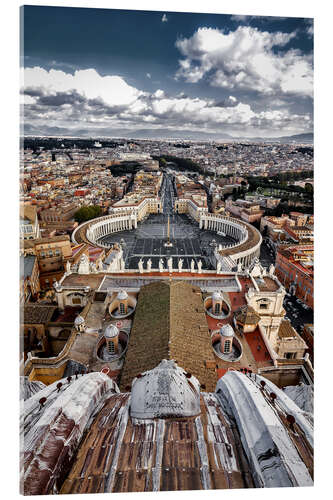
[(166, 252)]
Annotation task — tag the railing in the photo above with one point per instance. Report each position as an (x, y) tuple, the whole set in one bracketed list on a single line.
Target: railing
[(54, 361)]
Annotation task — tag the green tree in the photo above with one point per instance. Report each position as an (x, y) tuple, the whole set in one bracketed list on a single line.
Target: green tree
[(234, 194), (87, 212), (308, 188)]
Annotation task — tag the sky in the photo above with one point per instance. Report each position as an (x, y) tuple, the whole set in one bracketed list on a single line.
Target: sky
[(103, 73)]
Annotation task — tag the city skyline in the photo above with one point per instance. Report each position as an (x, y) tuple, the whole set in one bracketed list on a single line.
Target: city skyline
[(95, 72)]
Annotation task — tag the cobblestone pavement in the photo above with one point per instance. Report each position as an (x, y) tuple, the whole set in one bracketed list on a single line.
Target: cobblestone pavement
[(188, 241), (267, 255), (298, 314)]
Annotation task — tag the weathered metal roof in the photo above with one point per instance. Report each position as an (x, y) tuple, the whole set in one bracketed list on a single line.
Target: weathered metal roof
[(79, 437), (165, 391), (120, 454)]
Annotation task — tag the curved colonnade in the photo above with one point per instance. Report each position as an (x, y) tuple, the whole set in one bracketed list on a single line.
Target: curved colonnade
[(91, 231), (226, 225), (243, 251), (248, 238)]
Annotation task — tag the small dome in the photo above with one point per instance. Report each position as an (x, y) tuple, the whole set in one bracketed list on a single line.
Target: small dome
[(227, 331), (217, 296), (78, 320), (165, 391), (122, 295), (111, 331)]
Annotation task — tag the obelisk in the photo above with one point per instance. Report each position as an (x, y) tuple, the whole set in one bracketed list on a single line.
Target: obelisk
[(168, 243)]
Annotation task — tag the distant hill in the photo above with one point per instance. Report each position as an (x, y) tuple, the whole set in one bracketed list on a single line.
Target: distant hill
[(308, 138), (162, 133)]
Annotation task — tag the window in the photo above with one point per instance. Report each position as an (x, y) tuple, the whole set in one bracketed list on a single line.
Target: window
[(290, 355), (111, 348), (76, 301), (263, 305), (227, 346), (217, 308), (122, 308)]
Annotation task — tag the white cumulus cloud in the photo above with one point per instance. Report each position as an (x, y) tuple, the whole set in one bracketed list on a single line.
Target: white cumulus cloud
[(113, 90), (245, 59), (89, 101)]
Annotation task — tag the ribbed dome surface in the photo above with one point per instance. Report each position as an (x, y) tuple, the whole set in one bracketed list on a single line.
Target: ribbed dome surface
[(165, 391), (111, 331)]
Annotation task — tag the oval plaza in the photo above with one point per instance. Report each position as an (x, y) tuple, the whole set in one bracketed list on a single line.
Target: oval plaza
[(163, 231)]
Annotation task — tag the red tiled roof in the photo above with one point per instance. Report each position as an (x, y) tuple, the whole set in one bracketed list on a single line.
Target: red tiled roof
[(255, 340)]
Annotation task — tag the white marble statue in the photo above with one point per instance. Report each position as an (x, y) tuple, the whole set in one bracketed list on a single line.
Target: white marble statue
[(100, 266), (122, 264), (192, 266), (140, 266), (149, 264), (199, 266), (239, 267), (180, 265), (68, 267), (93, 267), (256, 269), (170, 264), (160, 265), (218, 267), (83, 265), (271, 269)]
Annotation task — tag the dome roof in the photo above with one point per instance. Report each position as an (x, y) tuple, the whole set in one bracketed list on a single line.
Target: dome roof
[(217, 296), (227, 331), (79, 320), (122, 295), (165, 391), (111, 331)]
